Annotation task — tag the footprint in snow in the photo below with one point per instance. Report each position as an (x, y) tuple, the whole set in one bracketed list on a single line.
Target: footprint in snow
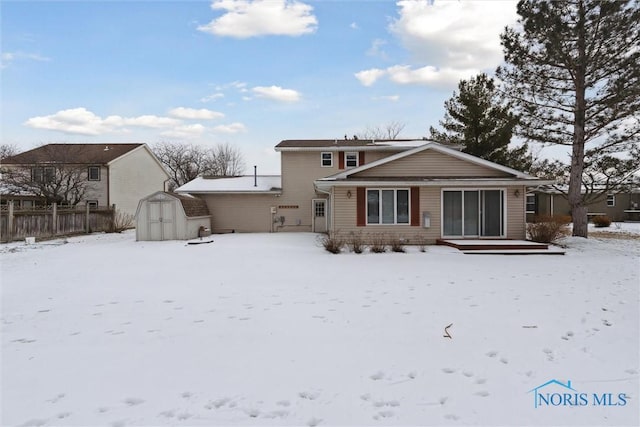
[(309, 395), (279, 413), (133, 401), (504, 360), (63, 415), (366, 397), (184, 416), (384, 414), (631, 371), (219, 403), (34, 423), (452, 417), (253, 413), (412, 374), (481, 381), (377, 376), (467, 373), (283, 403), (186, 395), (492, 353), (448, 370), (167, 414), (313, 422), (482, 393), (57, 398)]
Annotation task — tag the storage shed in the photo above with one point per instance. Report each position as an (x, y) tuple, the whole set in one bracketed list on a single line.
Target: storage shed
[(170, 216)]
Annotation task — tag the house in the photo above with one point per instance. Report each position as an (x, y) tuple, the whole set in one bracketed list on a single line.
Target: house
[(413, 189), (170, 216), (99, 175), (620, 205)]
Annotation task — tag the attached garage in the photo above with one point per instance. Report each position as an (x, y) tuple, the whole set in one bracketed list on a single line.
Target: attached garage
[(170, 216)]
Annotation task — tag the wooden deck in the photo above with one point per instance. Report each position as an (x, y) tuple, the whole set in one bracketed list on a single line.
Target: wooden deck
[(500, 247)]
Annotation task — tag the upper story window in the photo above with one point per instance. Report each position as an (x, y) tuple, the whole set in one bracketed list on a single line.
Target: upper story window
[(351, 160), (43, 174), (611, 200), (326, 159), (531, 203), (94, 173), (388, 206)]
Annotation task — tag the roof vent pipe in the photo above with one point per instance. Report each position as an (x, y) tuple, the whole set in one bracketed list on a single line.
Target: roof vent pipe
[(255, 176)]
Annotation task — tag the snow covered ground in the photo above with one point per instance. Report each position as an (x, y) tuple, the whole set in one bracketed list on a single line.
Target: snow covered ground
[(259, 329)]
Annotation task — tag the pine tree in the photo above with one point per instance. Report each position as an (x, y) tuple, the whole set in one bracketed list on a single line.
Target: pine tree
[(573, 75), (481, 124)]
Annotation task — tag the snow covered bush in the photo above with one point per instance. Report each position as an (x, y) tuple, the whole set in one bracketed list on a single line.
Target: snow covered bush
[(396, 244), (355, 242), (120, 222), (547, 229), (332, 242), (377, 243), (601, 221)]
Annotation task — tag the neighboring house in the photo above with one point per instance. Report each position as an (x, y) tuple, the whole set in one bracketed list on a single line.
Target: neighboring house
[(621, 205), (104, 174), (414, 189)]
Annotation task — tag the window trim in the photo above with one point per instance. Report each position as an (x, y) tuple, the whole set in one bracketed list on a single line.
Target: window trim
[(395, 206), (526, 203), (356, 156), (322, 159), (611, 203), (89, 173)]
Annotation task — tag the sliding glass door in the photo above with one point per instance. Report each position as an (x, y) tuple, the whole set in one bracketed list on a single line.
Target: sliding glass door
[(473, 213)]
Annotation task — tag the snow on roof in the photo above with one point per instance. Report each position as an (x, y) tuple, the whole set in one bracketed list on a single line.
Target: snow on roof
[(236, 184)]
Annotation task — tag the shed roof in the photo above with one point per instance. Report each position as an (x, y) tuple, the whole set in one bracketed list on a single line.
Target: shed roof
[(236, 184), (72, 154), (193, 206)]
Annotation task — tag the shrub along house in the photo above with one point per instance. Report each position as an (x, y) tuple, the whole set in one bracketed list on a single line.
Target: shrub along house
[(413, 189)]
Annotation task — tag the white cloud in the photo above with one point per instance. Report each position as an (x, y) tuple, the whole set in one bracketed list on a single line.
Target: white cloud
[(212, 97), (451, 40), (376, 49), (195, 114), (84, 122), (458, 34), (354, 26), (277, 93), (369, 77), (429, 75), (392, 98), (250, 18), (185, 131), (7, 58), (231, 128)]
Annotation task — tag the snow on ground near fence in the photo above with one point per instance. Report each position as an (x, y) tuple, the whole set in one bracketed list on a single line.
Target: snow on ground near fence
[(259, 329)]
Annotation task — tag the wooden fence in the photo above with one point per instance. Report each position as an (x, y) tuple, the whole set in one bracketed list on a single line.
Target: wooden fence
[(51, 221)]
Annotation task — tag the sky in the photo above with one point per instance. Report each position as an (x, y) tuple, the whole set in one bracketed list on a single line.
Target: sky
[(248, 73)]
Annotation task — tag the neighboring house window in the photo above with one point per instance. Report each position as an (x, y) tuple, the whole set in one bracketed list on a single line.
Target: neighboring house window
[(327, 160), (351, 160), (92, 204), (388, 206), (94, 173), (611, 200), (43, 174), (531, 203)]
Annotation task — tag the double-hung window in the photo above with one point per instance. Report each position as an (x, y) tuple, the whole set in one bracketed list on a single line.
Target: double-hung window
[(43, 174), (387, 206), (531, 203), (611, 200), (326, 159), (351, 160), (94, 173)]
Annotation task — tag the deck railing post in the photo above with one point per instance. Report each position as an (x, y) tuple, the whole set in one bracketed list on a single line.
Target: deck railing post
[(54, 224), (87, 227), (10, 222)]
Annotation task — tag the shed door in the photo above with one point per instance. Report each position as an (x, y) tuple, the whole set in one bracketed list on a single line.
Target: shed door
[(162, 220)]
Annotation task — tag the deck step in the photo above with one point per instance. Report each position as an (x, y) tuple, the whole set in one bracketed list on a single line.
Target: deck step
[(493, 245), (550, 251)]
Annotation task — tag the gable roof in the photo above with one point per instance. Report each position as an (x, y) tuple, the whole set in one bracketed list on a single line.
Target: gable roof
[(72, 154), (435, 147)]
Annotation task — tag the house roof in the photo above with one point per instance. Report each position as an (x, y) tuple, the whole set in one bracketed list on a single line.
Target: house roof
[(236, 184), (72, 154), (192, 206), (342, 144), (430, 145)]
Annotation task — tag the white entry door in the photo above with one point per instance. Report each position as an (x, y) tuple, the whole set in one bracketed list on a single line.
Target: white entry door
[(161, 220), (319, 213)]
